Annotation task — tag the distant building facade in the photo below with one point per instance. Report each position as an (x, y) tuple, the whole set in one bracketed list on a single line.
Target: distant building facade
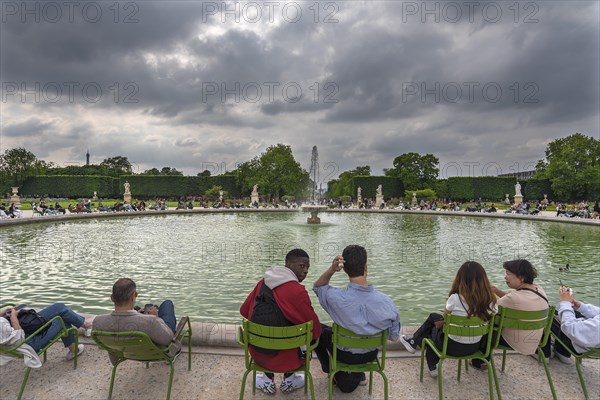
[(521, 175)]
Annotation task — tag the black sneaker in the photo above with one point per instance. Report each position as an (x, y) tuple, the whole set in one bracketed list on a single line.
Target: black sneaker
[(408, 343)]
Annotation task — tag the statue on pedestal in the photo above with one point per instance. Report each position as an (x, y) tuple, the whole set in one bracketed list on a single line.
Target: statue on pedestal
[(254, 195), (518, 195), (379, 197), (127, 194)]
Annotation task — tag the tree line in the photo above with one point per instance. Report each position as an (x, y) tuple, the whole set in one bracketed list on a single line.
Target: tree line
[(571, 168)]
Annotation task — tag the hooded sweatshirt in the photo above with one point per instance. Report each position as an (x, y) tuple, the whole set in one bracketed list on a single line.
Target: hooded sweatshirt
[(292, 298)]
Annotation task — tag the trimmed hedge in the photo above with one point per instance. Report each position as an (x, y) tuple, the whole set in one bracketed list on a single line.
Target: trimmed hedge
[(390, 187), (493, 188), (70, 186), (142, 186)]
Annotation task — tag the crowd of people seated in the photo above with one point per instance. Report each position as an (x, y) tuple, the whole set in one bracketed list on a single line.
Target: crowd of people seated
[(279, 299), (582, 210), (11, 212)]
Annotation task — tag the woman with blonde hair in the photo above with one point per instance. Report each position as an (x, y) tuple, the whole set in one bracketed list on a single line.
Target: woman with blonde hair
[(471, 295)]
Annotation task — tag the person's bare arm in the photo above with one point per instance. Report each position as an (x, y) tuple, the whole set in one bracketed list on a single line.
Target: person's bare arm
[(336, 265)]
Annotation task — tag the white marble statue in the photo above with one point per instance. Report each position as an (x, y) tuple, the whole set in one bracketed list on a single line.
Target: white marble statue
[(255, 190), (518, 189), (379, 191), (127, 188)]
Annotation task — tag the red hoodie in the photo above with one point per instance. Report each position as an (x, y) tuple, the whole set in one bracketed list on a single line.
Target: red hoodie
[(292, 298)]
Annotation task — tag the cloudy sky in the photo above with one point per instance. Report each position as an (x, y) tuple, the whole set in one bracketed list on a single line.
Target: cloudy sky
[(483, 85)]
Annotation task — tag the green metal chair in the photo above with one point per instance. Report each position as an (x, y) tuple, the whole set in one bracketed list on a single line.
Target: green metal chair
[(12, 350), (137, 346), (525, 321), (275, 338), (461, 326), (594, 353), (343, 337)]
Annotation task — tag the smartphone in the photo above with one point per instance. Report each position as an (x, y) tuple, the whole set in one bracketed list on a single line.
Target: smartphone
[(17, 308)]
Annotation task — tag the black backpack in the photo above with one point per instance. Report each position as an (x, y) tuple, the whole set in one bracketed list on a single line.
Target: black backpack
[(267, 312), (31, 321)]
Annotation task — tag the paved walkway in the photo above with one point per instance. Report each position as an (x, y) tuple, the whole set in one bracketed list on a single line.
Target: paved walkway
[(217, 371)]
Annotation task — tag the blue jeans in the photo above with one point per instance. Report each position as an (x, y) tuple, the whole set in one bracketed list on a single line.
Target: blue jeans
[(166, 312), (70, 319)]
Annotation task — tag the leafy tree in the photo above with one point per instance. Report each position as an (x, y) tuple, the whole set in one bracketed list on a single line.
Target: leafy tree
[(152, 171), (118, 164), (572, 165), (213, 193), (343, 185), (276, 172), (170, 171), (417, 171), (204, 173), (18, 164)]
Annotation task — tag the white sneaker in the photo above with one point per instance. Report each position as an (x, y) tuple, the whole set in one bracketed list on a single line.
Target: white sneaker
[(563, 359), (265, 384), (408, 343), (293, 382), (71, 355), (433, 372), (537, 358)]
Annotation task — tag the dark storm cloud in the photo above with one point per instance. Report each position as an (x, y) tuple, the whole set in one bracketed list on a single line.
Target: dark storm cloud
[(28, 128), (178, 85)]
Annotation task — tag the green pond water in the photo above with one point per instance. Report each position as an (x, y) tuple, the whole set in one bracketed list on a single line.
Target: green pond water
[(208, 263)]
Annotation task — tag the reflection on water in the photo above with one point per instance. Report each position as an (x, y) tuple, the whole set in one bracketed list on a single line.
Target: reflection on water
[(208, 263)]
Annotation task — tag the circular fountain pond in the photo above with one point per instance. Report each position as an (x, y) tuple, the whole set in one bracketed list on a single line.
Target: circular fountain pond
[(207, 263)]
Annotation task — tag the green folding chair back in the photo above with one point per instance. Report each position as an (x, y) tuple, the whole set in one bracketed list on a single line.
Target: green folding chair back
[(461, 326), (345, 338), (12, 350), (593, 353), (275, 338), (137, 346), (523, 321)]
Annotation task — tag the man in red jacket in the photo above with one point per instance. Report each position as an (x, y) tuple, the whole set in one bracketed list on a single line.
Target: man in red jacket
[(280, 300)]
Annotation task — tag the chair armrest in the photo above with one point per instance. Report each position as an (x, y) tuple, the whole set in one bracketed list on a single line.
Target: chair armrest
[(47, 324), (313, 345), (180, 326), (239, 335)]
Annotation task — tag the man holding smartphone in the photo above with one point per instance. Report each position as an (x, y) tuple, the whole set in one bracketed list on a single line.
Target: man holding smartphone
[(158, 322), (577, 325), (358, 307)]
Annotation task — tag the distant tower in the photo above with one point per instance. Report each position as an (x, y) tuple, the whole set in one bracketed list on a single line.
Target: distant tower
[(87, 157), (314, 171)]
